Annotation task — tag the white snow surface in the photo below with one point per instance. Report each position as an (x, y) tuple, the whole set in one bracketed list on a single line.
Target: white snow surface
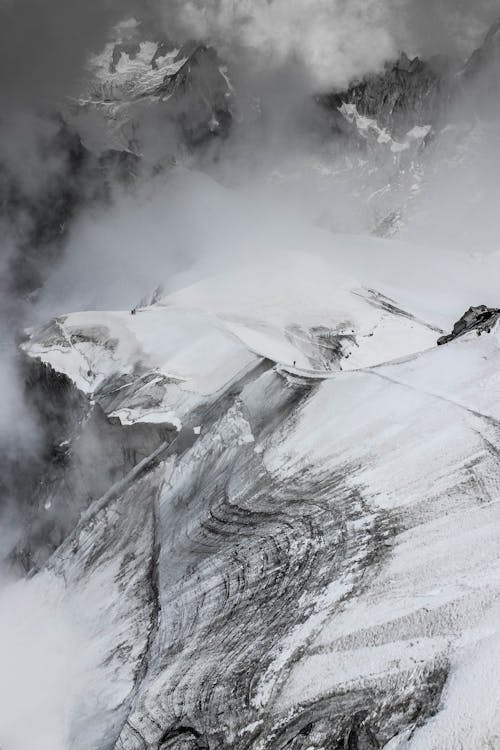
[(191, 353), (296, 311), (369, 128), (412, 429), (276, 306), (434, 465), (133, 75)]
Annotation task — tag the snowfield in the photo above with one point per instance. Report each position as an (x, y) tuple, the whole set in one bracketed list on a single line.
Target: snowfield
[(311, 319), (327, 543)]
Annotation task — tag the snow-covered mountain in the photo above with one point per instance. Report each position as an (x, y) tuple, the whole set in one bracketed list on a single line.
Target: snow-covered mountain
[(297, 543), (185, 89), (266, 515)]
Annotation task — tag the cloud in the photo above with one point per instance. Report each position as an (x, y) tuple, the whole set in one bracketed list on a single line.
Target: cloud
[(41, 664), (338, 40), (334, 38), (44, 43)]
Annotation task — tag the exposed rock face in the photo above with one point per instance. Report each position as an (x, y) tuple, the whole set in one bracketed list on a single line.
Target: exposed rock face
[(83, 454), (417, 92), (281, 532), (38, 216), (199, 94), (406, 127), (480, 319), (407, 93), (185, 91)]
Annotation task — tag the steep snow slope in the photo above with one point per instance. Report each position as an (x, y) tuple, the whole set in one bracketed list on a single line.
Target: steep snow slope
[(316, 564), (175, 355)]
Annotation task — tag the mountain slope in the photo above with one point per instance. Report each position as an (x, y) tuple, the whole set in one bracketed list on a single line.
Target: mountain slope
[(309, 554)]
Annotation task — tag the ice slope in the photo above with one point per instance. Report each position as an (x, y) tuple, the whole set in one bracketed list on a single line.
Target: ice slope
[(430, 464), (302, 308), (327, 554), (318, 566)]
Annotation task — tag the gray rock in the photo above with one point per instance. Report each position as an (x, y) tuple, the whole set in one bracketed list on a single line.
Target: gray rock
[(480, 319)]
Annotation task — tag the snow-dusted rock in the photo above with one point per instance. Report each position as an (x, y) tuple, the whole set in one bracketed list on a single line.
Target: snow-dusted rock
[(137, 87)]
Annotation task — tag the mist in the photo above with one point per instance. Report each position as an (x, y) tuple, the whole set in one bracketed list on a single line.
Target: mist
[(338, 41)]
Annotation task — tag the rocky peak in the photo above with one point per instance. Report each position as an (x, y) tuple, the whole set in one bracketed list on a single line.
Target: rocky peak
[(199, 92), (480, 319), (408, 92)]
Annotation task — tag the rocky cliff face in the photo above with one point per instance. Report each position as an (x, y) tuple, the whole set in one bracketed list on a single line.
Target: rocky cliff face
[(403, 121), (417, 92), (406, 94)]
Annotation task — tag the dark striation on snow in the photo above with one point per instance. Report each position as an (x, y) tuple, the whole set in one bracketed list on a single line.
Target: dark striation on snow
[(121, 551), (218, 562), (229, 574), (480, 319), (381, 301)]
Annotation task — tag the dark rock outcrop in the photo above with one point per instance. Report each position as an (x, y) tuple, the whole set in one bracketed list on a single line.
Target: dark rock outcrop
[(407, 93), (37, 219), (81, 454), (480, 319), (418, 92), (199, 95)]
